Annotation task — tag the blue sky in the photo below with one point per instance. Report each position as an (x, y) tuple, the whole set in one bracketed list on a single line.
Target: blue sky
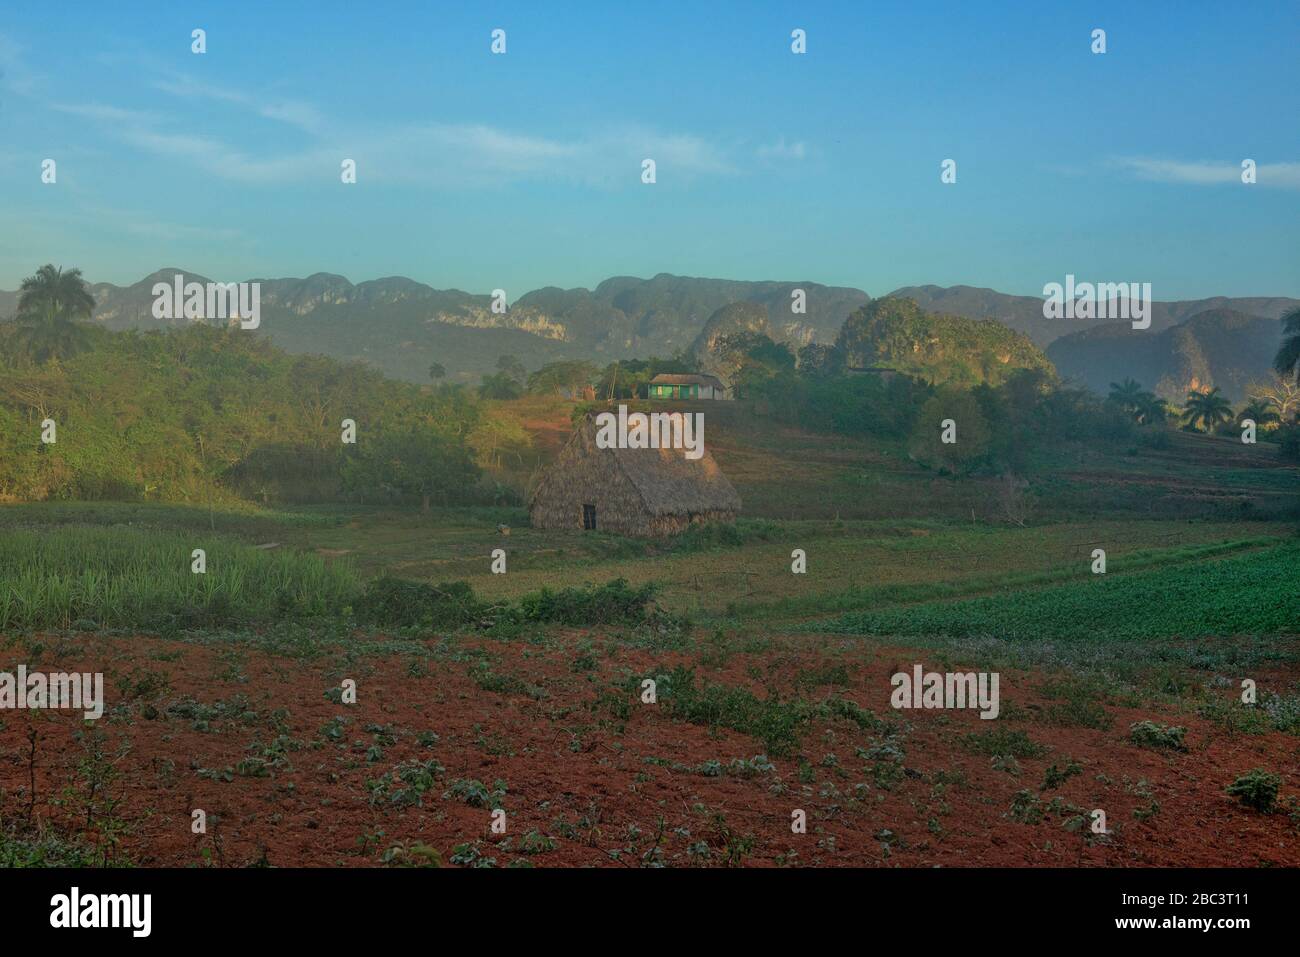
[(478, 171)]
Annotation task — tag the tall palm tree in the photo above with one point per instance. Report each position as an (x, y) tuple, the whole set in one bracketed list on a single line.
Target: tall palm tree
[(1287, 362), (1259, 412), (1208, 409), (1151, 409), (1127, 394), (48, 309), (1142, 406)]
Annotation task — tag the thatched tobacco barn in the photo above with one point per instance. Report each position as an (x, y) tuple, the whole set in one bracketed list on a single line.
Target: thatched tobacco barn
[(641, 492)]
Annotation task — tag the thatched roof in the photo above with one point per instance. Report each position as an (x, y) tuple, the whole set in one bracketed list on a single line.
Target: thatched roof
[(674, 378), (669, 483), (672, 484)]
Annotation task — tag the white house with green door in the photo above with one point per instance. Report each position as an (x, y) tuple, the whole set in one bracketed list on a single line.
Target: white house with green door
[(670, 385)]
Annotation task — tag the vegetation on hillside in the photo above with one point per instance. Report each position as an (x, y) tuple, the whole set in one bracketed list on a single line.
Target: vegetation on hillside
[(51, 307), (203, 414), (945, 350)]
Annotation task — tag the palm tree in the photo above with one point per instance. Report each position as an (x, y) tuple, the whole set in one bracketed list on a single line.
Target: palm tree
[(1208, 409), (1258, 410), (1287, 362), (1151, 409), (1143, 407), (51, 303), (1127, 395)]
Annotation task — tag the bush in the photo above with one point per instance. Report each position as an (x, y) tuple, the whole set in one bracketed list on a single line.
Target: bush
[(614, 602), (394, 603), (1257, 789), (1005, 742), (1153, 735)]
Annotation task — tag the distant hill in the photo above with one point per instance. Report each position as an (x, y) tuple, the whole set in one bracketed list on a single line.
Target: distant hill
[(401, 326), (1025, 313), (894, 333), (1218, 347)]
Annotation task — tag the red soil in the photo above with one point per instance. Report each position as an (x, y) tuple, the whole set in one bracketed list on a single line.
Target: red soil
[(572, 775)]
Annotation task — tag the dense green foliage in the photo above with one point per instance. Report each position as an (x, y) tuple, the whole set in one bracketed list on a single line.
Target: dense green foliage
[(390, 602), (204, 414), (896, 334), (998, 427), (614, 602), (395, 603), (563, 378)]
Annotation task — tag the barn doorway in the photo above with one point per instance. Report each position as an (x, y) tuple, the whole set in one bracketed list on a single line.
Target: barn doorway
[(589, 518)]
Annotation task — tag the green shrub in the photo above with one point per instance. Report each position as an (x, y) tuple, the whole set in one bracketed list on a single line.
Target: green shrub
[(1153, 735), (613, 603), (1005, 741), (394, 603), (1257, 789), (776, 723), (1055, 776)]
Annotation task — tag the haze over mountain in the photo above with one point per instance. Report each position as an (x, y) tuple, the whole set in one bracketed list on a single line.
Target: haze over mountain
[(402, 326), (1025, 313), (1220, 347)]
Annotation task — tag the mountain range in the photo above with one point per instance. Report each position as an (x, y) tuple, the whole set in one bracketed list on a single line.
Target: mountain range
[(1220, 347), (402, 326)]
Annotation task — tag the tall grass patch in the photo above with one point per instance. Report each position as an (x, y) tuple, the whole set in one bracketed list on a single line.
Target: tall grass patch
[(132, 577)]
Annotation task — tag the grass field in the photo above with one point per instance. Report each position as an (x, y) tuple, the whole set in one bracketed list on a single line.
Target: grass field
[(126, 576), (1120, 691)]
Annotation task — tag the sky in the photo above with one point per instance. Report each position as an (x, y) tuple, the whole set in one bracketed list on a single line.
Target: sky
[(479, 171)]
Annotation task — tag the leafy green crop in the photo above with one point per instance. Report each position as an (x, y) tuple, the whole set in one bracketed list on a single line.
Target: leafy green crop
[(1257, 593)]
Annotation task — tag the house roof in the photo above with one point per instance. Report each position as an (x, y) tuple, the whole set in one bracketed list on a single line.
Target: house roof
[(674, 378), (668, 482)]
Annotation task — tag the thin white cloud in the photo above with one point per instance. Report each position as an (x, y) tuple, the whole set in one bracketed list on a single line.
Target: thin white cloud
[(296, 113), (15, 74), (433, 154), (781, 150), (465, 154), (1208, 173), (106, 114)]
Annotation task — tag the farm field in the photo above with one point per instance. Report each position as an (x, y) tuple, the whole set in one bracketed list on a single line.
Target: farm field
[(1118, 692), (551, 730), (583, 441)]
